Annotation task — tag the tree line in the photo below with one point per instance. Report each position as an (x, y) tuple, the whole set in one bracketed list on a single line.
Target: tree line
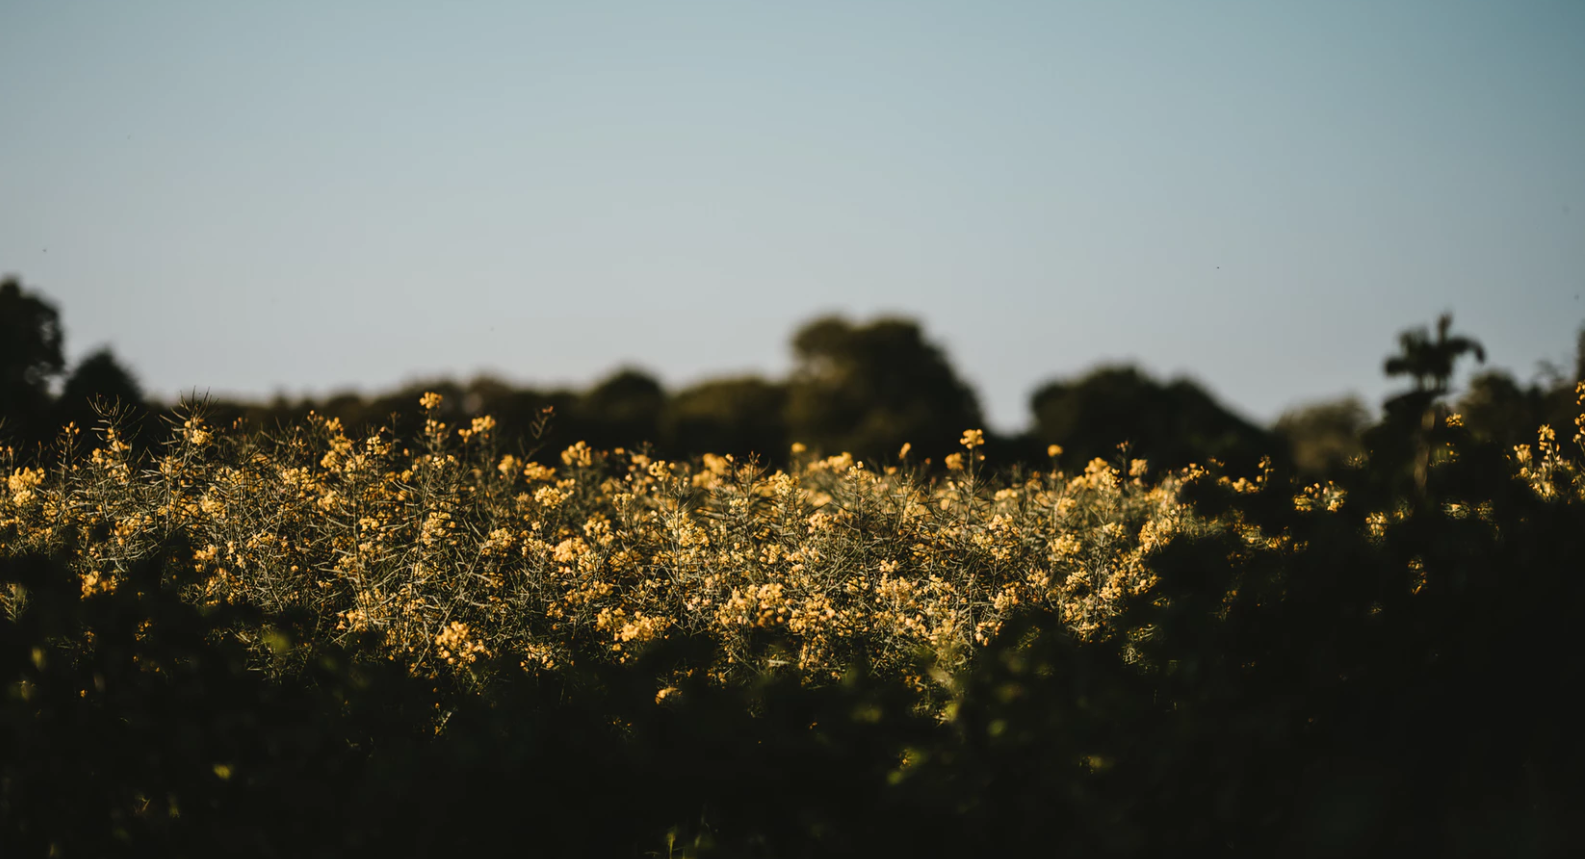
[(866, 388)]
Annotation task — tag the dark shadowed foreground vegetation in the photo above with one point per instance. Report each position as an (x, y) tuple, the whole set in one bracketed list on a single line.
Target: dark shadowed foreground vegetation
[(1102, 660)]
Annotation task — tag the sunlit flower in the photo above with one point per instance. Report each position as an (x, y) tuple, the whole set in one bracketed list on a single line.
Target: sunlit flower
[(579, 454)]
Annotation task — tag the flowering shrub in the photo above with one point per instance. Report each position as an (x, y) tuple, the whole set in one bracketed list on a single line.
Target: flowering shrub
[(453, 551), (1242, 666)]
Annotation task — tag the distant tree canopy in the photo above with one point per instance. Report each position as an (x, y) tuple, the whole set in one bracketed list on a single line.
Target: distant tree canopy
[(97, 380), (742, 416), (623, 409), (870, 389), (1497, 408), (1324, 437), (865, 388), (1171, 425), (32, 357)]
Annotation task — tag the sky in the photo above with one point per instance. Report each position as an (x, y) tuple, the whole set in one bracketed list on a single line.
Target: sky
[(310, 197)]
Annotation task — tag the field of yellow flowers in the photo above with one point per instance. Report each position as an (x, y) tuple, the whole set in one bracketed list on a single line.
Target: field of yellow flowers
[(1112, 662), (454, 552)]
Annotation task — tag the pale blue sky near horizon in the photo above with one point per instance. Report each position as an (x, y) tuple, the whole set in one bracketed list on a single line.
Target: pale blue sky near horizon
[(309, 197)]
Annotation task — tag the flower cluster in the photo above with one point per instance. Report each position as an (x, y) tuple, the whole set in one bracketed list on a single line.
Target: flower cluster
[(454, 553)]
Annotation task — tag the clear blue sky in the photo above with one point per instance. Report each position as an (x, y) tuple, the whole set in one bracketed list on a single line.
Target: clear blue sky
[(313, 196)]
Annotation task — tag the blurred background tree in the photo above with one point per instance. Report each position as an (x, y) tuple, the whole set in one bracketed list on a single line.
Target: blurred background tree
[(99, 385), (1497, 408), (741, 416), (1323, 437), (622, 410), (1171, 425), (30, 359), (869, 389), (863, 388), (1430, 362)]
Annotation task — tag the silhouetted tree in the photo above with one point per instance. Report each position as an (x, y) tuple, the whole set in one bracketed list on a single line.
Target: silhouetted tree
[(623, 410), (740, 416), (1408, 418), (1579, 356), (99, 384), (1170, 425), (30, 357), (869, 389), (1497, 408), (1430, 362), (1323, 437)]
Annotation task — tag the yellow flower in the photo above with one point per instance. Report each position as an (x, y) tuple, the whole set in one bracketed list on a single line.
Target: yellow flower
[(955, 462), (903, 454), (972, 438), (534, 471), (578, 454), (1054, 450), (430, 400), (22, 483), (798, 447), (456, 642), (193, 428), (480, 426)]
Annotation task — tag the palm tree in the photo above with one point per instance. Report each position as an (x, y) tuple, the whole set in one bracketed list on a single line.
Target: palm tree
[(1429, 361), (1416, 413)]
